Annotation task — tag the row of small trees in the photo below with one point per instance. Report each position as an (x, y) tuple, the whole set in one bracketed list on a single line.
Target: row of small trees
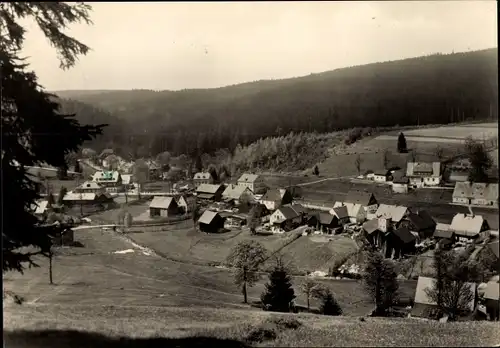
[(451, 292)]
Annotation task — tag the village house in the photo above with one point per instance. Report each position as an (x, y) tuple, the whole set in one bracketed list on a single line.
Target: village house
[(209, 192), (211, 222), (341, 214), (275, 198), (359, 205), (203, 178), (399, 242), (400, 185), (480, 194), (382, 176), (424, 306), (126, 181), (163, 206), (111, 180), (90, 187), (182, 204), (423, 174), (86, 199), (286, 218), (373, 233), (468, 227), (324, 222), (253, 181), (236, 194), (393, 214), (420, 222)]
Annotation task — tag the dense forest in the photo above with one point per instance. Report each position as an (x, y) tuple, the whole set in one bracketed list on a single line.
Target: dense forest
[(431, 89)]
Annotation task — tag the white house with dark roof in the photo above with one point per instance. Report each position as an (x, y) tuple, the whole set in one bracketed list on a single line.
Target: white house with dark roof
[(424, 174), (359, 205), (393, 214), (480, 194), (237, 194), (253, 181), (275, 198), (202, 178), (74, 198), (286, 218)]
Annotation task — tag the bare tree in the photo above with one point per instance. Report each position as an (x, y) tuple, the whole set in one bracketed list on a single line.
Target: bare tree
[(358, 162), (306, 288), (245, 259)]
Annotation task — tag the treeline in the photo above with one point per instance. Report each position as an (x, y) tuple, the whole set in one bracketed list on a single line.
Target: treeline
[(432, 89)]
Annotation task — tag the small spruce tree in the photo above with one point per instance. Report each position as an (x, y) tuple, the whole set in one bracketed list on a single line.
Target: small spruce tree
[(279, 293), (402, 148), (329, 305)]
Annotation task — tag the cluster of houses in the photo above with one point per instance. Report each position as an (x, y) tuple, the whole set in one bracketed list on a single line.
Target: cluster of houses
[(431, 174)]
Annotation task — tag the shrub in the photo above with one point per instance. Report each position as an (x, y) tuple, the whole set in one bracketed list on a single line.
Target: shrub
[(285, 323), (261, 334)]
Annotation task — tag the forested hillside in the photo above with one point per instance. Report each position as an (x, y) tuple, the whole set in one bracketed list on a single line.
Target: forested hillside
[(432, 89)]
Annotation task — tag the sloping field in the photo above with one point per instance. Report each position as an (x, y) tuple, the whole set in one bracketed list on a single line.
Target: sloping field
[(230, 328), (318, 253), (181, 242), (477, 131)]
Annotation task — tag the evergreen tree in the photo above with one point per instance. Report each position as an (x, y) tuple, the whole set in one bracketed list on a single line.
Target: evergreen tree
[(329, 305), (479, 159), (402, 148), (62, 172), (78, 168), (316, 170), (34, 131), (198, 164), (279, 293)]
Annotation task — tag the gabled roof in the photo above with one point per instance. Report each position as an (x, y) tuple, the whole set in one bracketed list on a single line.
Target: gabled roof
[(401, 180), (371, 226), (422, 220), (325, 218), (288, 212), (235, 191), (272, 195), (494, 247), (424, 283), (476, 190), (466, 225), (161, 202), (208, 188), (283, 192), (248, 178), (352, 209), (423, 168), (207, 217), (181, 200), (358, 197), (404, 235), (393, 212), (106, 152), (202, 176), (382, 173), (340, 212), (442, 227)]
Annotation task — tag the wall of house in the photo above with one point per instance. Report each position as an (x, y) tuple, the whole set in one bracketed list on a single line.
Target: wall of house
[(271, 205), (461, 200), (418, 182), (432, 181), (380, 178)]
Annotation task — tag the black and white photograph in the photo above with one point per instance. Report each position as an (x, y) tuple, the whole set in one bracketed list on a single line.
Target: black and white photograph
[(250, 174)]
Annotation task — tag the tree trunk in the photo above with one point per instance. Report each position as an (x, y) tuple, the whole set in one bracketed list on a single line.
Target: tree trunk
[(245, 300), (50, 268), (308, 307)]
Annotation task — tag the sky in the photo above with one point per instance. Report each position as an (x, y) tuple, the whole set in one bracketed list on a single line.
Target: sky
[(161, 45)]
